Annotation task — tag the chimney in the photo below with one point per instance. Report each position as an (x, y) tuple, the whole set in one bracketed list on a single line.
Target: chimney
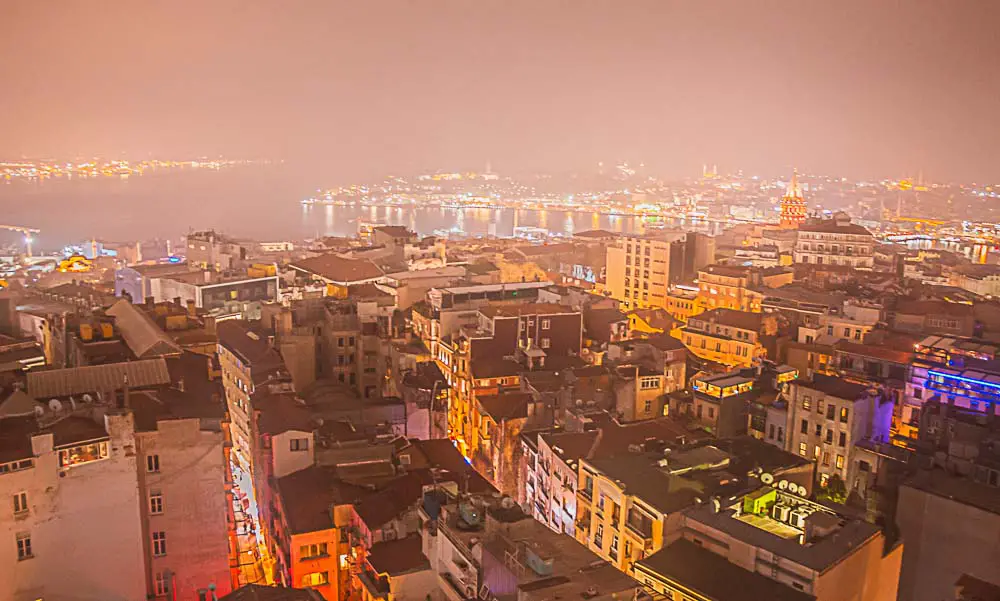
[(150, 301), (177, 301), (180, 384), (126, 400), (210, 324), (191, 308)]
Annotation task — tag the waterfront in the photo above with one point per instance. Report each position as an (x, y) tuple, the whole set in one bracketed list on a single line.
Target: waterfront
[(255, 202)]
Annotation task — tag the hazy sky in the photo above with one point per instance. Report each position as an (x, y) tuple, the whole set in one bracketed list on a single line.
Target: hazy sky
[(861, 87)]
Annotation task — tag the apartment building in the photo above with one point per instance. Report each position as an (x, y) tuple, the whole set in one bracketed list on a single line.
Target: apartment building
[(829, 416), (729, 287), (182, 448), (72, 507), (835, 241), (729, 337), (247, 361), (213, 250), (145, 468), (772, 543), (479, 546), (630, 506), (637, 271)]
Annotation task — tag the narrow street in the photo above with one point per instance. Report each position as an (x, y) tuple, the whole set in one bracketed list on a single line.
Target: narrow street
[(253, 554)]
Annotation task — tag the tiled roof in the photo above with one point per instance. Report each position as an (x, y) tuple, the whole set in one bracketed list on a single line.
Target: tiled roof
[(510, 405), (98, 378), (141, 334), (743, 320), (339, 269)]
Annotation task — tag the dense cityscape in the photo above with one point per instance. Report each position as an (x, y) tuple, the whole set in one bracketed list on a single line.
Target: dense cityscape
[(603, 413), (649, 300)]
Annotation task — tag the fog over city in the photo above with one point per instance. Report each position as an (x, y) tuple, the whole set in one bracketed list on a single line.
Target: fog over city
[(360, 89), (500, 300)]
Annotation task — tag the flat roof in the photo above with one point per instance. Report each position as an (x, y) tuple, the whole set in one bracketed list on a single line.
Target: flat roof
[(712, 576), (822, 554)]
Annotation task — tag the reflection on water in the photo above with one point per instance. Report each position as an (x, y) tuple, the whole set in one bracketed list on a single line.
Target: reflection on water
[(343, 221), (255, 203), (977, 253)]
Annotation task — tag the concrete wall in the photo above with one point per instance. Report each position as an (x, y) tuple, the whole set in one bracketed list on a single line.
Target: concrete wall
[(287, 461), (84, 525), (944, 539), (192, 482)]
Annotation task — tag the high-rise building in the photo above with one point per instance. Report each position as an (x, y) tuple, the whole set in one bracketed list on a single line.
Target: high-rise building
[(638, 269), (793, 205)]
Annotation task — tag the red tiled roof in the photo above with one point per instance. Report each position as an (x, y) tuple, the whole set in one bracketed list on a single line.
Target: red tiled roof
[(339, 269), (510, 405)]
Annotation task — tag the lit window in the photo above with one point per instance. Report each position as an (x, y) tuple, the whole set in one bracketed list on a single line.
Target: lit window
[(316, 579), (83, 454), (803, 449), (840, 462), (312, 551)]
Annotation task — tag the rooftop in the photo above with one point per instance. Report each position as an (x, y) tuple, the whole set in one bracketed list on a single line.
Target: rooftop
[(496, 310), (957, 488), (713, 576), (399, 556), (833, 226), (44, 384), (820, 554), (259, 592), (835, 386), (142, 335), (251, 346), (743, 320), (874, 351), (508, 405), (338, 269), (495, 368)]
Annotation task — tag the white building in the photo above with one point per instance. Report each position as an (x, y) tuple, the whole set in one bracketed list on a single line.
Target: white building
[(69, 525), (835, 241)]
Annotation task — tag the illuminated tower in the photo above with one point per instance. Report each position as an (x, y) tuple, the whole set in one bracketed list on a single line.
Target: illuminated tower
[(793, 206)]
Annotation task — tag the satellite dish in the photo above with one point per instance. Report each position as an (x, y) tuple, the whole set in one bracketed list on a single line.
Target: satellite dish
[(87, 398), (55, 405), (39, 411), (767, 478), (783, 485), (802, 491)]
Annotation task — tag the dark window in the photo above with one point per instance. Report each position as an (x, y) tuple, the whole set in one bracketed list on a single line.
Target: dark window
[(805, 426)]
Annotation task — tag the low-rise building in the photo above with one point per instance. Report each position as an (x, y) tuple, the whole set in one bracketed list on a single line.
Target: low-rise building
[(828, 416), (729, 337), (632, 505), (835, 241), (773, 543)]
